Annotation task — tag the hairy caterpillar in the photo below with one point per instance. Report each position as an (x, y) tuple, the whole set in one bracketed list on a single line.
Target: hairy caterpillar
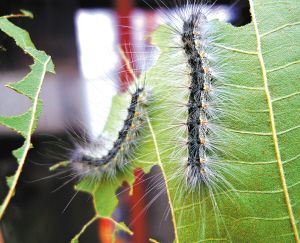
[(193, 71), (193, 36), (197, 108), (105, 156)]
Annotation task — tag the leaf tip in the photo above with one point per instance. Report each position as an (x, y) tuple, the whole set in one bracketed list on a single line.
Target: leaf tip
[(26, 13)]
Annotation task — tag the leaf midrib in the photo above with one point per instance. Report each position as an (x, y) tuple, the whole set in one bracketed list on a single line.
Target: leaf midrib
[(273, 126), (27, 142)]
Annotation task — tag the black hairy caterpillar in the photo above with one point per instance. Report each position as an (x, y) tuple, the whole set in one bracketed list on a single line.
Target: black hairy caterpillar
[(197, 115), (193, 70), (101, 158)]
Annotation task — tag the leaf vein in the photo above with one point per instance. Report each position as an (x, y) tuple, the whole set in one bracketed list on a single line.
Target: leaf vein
[(283, 66), (286, 96), (279, 28), (288, 130), (235, 49)]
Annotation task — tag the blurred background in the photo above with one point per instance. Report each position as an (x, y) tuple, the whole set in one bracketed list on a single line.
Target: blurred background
[(84, 38)]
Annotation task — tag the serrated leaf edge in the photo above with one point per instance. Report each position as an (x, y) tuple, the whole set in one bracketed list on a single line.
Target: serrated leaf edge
[(27, 144)]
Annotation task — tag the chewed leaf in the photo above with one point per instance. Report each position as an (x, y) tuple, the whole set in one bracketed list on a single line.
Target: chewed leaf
[(30, 86), (104, 190), (105, 193), (20, 123)]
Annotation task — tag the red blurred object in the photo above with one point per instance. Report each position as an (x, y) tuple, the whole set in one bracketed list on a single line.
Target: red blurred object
[(137, 217), (136, 202), (124, 11), (124, 14), (106, 229), (138, 213)]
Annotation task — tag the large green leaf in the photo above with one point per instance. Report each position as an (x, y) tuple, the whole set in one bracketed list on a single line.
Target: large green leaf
[(261, 142), (260, 133), (30, 86)]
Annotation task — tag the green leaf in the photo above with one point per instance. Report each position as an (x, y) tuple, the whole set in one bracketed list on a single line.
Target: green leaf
[(30, 86), (261, 142), (260, 134)]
